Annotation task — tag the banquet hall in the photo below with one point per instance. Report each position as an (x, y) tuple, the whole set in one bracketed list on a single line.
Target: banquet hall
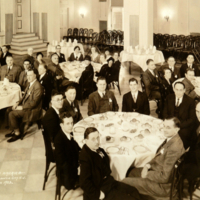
[(143, 53)]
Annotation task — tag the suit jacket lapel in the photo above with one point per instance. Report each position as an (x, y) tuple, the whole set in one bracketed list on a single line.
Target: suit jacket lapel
[(29, 90)]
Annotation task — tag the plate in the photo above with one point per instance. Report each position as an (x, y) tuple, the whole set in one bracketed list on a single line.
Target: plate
[(110, 114), (140, 149), (125, 139), (88, 119), (112, 150), (109, 125), (79, 129)]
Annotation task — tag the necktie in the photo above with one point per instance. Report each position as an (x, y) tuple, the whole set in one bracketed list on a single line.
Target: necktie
[(103, 94), (76, 57), (8, 70), (177, 103), (100, 153), (134, 98), (160, 147)]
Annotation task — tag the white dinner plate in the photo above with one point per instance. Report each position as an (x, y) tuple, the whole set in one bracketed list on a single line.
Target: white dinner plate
[(79, 129), (140, 149), (88, 119), (112, 150)]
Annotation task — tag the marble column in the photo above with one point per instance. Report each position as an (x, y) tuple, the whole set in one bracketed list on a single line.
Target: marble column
[(138, 23)]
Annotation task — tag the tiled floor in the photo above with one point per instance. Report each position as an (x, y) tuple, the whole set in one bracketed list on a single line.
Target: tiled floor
[(26, 158)]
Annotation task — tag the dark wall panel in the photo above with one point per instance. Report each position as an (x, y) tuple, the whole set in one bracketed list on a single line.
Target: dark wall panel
[(9, 28), (44, 27)]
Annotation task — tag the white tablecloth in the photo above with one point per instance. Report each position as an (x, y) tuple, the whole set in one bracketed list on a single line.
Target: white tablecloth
[(196, 84), (123, 150), (11, 96), (66, 50), (142, 58), (73, 70)]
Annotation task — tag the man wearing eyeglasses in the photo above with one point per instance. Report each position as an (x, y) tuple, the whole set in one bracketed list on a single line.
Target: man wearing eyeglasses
[(189, 87), (50, 121), (61, 56), (181, 106)]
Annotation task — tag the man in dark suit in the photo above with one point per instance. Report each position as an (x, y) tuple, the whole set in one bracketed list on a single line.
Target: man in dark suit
[(183, 107), (135, 101), (70, 104), (95, 177), (116, 67), (45, 80), (50, 121), (155, 178), (171, 64), (66, 152), (23, 81), (10, 71), (189, 87), (28, 108), (190, 64), (102, 100), (4, 55), (86, 82), (152, 87), (61, 56)]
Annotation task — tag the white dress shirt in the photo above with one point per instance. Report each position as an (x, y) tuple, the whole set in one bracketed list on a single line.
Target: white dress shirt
[(135, 95), (42, 75), (153, 73), (57, 111), (101, 94), (180, 100), (32, 83), (10, 67), (172, 68)]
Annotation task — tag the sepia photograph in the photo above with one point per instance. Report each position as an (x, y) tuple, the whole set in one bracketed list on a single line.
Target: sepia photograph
[(99, 99)]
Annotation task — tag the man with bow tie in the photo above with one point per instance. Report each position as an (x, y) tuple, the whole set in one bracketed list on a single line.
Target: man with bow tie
[(67, 152), (183, 107), (70, 104), (189, 64), (95, 176), (135, 101), (27, 109), (23, 82), (61, 56), (155, 178), (10, 71)]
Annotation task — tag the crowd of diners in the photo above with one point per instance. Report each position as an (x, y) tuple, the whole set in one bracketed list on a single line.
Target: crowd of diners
[(49, 98)]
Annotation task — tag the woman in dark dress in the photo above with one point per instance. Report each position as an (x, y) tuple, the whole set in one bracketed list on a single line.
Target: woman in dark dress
[(76, 55), (38, 60)]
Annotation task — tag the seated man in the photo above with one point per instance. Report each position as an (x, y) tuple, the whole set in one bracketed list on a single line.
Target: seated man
[(10, 71), (95, 178), (29, 56), (190, 64), (102, 100), (50, 121), (61, 56), (67, 152), (189, 87), (23, 82), (171, 64), (155, 178), (70, 104), (28, 108), (183, 107), (45, 80), (191, 166), (116, 67), (150, 81), (4, 55), (135, 101)]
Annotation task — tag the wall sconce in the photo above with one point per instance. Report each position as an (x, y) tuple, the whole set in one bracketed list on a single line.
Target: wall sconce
[(82, 12), (166, 17)]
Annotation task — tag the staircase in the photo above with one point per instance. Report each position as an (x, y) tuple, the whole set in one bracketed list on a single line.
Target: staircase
[(21, 42)]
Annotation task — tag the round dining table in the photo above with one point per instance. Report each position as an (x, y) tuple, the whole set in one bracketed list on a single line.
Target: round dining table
[(73, 70), (9, 95), (195, 82), (141, 59), (66, 49), (124, 136)]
